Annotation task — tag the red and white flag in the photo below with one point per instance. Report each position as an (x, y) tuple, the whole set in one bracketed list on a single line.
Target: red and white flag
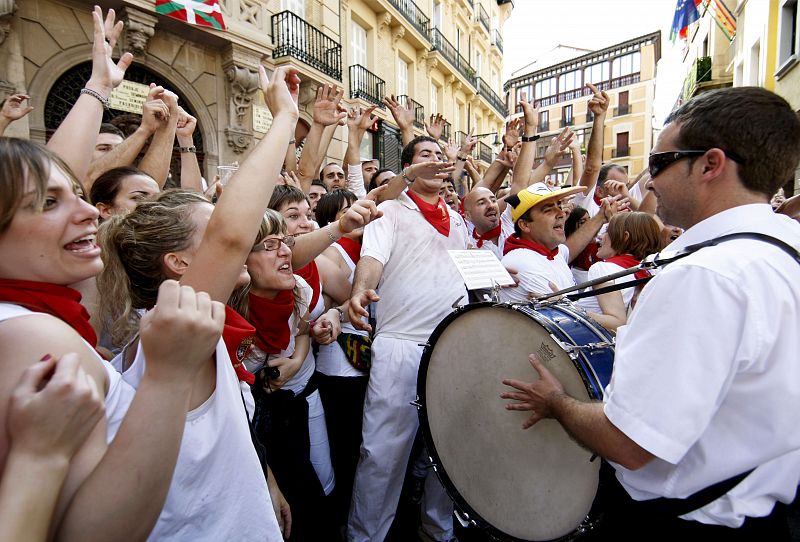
[(196, 12)]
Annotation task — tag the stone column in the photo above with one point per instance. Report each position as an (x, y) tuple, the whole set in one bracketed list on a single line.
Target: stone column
[(241, 73)]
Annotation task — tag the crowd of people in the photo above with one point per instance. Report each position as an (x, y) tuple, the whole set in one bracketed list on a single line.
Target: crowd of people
[(238, 361)]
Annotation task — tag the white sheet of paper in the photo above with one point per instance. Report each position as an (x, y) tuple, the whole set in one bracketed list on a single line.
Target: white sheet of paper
[(480, 269)]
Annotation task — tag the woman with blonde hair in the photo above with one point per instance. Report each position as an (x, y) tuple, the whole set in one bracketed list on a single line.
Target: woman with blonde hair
[(629, 238)]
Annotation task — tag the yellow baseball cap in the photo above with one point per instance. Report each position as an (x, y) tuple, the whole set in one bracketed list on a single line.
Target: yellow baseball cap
[(538, 193)]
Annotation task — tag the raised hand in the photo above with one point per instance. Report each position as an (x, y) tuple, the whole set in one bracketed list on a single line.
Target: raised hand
[(511, 137), (13, 109), (403, 114), (327, 108), (280, 92), (365, 118), (356, 309), (106, 74), (154, 110), (598, 104), (531, 117), (507, 158), (450, 151), (469, 144), (186, 124), (181, 332), (360, 213), (557, 146), (433, 169), (435, 125), (54, 408)]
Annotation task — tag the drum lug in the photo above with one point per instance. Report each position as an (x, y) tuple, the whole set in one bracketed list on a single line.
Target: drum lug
[(416, 403), (464, 519), (573, 349)]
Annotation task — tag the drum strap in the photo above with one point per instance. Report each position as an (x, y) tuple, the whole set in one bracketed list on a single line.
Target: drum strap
[(661, 259)]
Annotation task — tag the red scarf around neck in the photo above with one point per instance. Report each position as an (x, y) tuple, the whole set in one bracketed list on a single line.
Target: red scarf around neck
[(353, 248), (59, 301), (587, 257), (435, 213), (271, 320), (238, 338), (627, 260), (514, 242), (310, 274), (494, 233), (597, 199)]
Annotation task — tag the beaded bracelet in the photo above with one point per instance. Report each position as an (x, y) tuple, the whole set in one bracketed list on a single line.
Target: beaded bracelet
[(97, 95)]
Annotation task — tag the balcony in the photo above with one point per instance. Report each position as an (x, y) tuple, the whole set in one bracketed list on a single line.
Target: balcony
[(621, 152), (542, 102), (294, 37), (622, 110), (485, 91), (483, 18), (625, 80), (461, 137), (543, 126), (483, 152), (439, 43), (573, 94), (366, 85), (589, 116), (497, 40), (419, 111), (413, 14), (471, 3), (569, 121), (700, 72), (446, 131)]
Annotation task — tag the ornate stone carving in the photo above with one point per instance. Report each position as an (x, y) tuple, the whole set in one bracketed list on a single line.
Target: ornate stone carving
[(7, 9), (241, 73), (431, 63), (308, 93), (397, 35), (139, 28), (384, 22)]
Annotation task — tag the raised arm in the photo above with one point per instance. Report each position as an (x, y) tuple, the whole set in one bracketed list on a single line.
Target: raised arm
[(327, 113), (75, 137), (403, 116), (156, 159), (558, 145), (435, 125), (12, 110), (527, 154), (358, 120), (583, 235), (191, 178), (594, 152), (241, 207), (576, 172)]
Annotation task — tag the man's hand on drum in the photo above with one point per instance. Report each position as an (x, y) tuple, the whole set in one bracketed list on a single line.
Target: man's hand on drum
[(535, 396), (533, 296)]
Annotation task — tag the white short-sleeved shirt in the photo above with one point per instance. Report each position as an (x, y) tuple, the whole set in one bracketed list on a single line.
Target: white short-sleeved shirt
[(535, 273), (506, 231), (706, 374), (420, 282), (601, 269)]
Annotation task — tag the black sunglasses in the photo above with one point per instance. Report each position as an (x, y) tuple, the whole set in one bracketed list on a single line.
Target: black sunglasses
[(660, 161)]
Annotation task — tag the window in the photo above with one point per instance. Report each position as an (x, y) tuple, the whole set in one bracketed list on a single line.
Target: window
[(478, 62), (569, 81), (298, 7), (437, 15), (596, 73), (544, 121), (545, 88), (495, 81), (402, 77), (622, 144), (626, 65), (622, 101), (434, 99), (525, 93), (458, 40), (788, 42), (566, 116), (358, 42)]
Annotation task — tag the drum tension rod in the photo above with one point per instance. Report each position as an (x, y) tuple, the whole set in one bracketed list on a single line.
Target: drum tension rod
[(570, 348)]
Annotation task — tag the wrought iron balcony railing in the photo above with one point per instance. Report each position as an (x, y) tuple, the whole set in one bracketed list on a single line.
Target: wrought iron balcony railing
[(491, 96), (446, 131), (419, 111), (460, 137), (625, 80), (622, 110), (621, 152), (440, 43), (413, 14), (292, 36), (543, 126), (498, 40), (366, 85), (483, 17), (484, 152), (569, 121)]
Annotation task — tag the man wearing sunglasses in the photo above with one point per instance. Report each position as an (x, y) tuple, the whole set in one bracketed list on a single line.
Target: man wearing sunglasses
[(699, 423)]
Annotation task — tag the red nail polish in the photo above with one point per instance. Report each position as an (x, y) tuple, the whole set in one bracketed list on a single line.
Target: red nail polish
[(47, 357)]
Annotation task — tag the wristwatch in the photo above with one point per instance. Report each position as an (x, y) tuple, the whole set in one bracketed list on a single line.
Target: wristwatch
[(341, 313), (526, 139), (408, 179)]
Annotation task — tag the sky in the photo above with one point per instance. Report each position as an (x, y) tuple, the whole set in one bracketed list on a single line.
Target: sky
[(535, 27)]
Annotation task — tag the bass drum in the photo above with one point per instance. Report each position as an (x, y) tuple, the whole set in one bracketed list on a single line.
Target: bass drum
[(532, 485)]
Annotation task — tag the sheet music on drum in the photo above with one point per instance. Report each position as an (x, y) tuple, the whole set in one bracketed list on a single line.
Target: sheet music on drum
[(480, 269)]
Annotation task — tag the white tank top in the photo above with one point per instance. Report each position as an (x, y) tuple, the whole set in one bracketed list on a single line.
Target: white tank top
[(331, 359), (218, 491), (119, 395)]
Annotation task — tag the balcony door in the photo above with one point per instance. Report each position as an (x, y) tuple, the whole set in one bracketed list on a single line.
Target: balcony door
[(358, 44), (298, 7)]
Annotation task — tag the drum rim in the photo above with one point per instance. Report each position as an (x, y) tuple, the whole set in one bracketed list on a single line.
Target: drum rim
[(433, 454)]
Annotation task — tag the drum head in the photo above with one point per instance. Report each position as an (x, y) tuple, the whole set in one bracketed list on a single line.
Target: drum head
[(532, 485)]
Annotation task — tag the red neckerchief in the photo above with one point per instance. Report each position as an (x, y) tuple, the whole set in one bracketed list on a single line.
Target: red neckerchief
[(494, 233), (271, 319), (310, 274), (597, 199), (238, 338), (587, 257), (435, 213), (461, 210), (514, 242), (59, 301), (353, 248), (627, 260)]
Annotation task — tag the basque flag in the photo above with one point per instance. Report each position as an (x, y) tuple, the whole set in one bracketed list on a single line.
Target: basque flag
[(685, 14), (196, 12)]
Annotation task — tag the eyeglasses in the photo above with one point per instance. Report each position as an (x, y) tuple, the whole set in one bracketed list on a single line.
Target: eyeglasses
[(660, 161), (274, 243)]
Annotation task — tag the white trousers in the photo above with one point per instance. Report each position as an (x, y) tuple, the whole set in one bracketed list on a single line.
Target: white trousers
[(320, 453), (390, 423)]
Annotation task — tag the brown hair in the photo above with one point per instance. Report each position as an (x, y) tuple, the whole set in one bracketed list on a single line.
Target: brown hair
[(23, 161), (284, 194), (107, 185), (644, 234)]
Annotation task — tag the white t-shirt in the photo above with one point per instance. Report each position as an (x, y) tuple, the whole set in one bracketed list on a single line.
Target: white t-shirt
[(506, 231), (601, 269), (535, 272), (706, 374), (218, 478), (420, 282)]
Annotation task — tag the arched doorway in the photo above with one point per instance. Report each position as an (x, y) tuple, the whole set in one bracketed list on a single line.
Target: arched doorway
[(66, 89)]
